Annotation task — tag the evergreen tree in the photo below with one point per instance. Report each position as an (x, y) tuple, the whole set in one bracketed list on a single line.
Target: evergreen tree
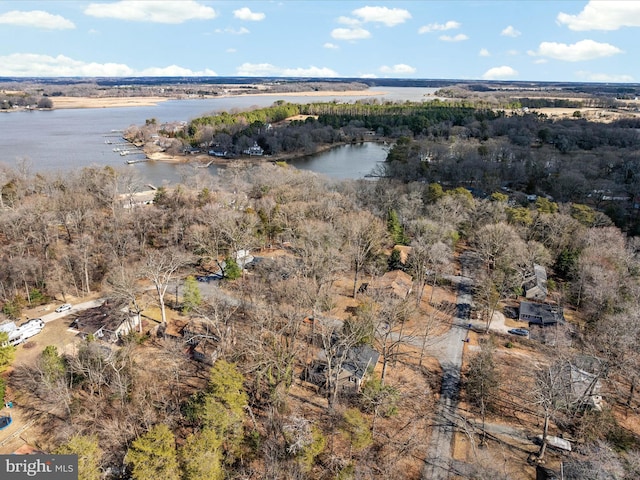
[(89, 455), (222, 406), (192, 297), (201, 456), (231, 269), (308, 455), (52, 364), (434, 193), (7, 351), (395, 261), (395, 228), (355, 428), (152, 456)]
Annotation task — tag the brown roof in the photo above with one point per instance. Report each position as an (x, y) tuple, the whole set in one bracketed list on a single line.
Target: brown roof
[(395, 281), (109, 316)]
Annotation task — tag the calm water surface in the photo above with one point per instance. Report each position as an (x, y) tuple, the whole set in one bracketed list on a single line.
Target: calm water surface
[(66, 139)]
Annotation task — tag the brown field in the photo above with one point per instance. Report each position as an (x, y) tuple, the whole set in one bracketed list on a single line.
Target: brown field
[(109, 102), (88, 102)]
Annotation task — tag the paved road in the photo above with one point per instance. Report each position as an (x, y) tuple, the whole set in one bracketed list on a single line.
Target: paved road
[(50, 317), (448, 350)]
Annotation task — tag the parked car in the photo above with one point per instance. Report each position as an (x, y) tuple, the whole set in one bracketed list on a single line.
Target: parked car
[(64, 307), (522, 332), (209, 278), (554, 442)]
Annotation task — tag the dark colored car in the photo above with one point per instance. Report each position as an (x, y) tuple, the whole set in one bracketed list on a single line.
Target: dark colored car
[(522, 332), (209, 278)]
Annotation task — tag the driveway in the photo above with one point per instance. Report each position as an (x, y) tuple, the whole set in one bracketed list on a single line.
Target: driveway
[(448, 350), (78, 307)]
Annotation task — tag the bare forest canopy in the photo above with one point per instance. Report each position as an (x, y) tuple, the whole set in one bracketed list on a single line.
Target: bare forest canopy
[(72, 235)]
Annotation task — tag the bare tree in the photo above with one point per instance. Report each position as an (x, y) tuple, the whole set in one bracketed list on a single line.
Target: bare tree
[(482, 381), (125, 286), (160, 267), (364, 235), (553, 395), (428, 260), (336, 343)]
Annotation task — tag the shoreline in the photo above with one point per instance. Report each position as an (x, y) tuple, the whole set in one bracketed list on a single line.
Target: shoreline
[(206, 158), (117, 102)]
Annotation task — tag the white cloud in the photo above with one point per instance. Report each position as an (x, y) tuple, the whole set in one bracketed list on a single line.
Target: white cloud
[(37, 19), (399, 68), (512, 52), (540, 61), (231, 50), (267, 69), (31, 64), (577, 52), (604, 77), (36, 65), (245, 13), (439, 27), (175, 71), (350, 33), (388, 16), (368, 75), (458, 38), (510, 32), (330, 45), (156, 11), (500, 73), (233, 31), (348, 21), (484, 52), (600, 15)]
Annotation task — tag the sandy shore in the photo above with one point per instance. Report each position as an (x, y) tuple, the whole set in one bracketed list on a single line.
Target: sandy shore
[(204, 159), (89, 102), (348, 93)]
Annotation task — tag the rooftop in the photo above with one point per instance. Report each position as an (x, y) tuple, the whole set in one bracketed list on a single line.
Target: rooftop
[(540, 313)]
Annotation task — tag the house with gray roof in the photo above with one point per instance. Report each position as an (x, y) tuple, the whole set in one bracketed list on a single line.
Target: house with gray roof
[(535, 285)]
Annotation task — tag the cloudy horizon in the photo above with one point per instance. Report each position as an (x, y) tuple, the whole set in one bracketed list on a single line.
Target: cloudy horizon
[(491, 40)]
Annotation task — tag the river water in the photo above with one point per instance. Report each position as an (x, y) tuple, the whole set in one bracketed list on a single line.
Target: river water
[(66, 139)]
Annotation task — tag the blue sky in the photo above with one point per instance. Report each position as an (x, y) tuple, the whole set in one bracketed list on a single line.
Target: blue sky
[(496, 40)]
